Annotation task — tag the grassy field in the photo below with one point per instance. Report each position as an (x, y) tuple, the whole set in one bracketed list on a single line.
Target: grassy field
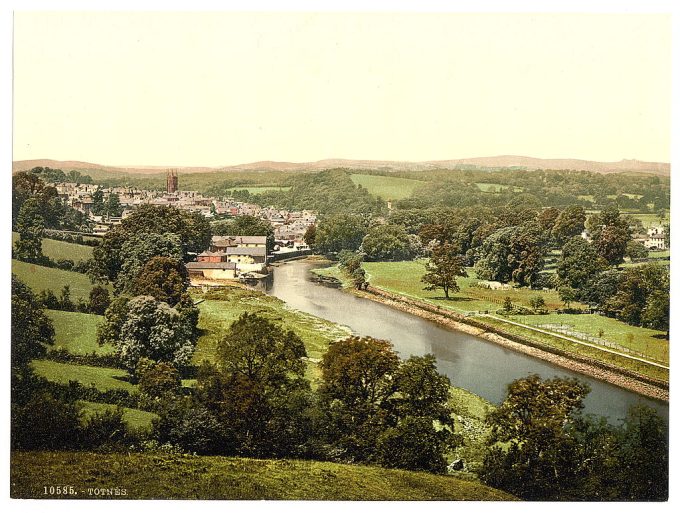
[(103, 378), (226, 305), (42, 278), (649, 220), (135, 419), (58, 250), (404, 278), (387, 187), (157, 476), (77, 332)]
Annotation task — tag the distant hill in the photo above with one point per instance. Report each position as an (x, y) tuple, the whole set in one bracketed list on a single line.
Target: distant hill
[(636, 166)]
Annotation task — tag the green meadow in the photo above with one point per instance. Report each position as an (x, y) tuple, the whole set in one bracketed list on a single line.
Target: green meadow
[(76, 332), (102, 378), (387, 187), (40, 278), (60, 250)]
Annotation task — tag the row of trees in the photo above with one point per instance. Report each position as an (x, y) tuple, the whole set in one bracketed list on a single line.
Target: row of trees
[(370, 406)]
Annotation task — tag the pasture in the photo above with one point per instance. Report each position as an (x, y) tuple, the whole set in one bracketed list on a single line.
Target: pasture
[(135, 419), (48, 278), (387, 187), (76, 332), (102, 378), (60, 250)]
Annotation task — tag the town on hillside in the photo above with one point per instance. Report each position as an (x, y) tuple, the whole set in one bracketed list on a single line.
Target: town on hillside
[(230, 257)]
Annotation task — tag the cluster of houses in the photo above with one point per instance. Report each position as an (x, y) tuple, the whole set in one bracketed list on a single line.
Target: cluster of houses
[(234, 257), (289, 226), (230, 258)]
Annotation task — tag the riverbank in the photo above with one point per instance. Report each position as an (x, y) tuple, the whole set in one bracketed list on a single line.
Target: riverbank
[(603, 371)]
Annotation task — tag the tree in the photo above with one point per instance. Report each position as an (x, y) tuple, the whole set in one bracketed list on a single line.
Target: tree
[(641, 296), (157, 379), (569, 223), (259, 394), (310, 236), (31, 226), (610, 233), (262, 351), (567, 294), (636, 250), (166, 279), (98, 202), (644, 456), (192, 229), (386, 242), (340, 231), (154, 330), (99, 300), (113, 207), (579, 264), (534, 460), (537, 303), (445, 265), (140, 249), (380, 409), (32, 330)]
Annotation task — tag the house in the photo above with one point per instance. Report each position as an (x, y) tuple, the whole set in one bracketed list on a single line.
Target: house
[(221, 243), (212, 270), (247, 259)]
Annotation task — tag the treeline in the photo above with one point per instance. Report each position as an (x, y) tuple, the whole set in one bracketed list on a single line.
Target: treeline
[(511, 244)]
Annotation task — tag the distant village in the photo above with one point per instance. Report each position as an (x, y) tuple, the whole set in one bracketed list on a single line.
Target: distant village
[(232, 257)]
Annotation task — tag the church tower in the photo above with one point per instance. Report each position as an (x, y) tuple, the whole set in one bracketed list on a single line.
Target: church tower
[(172, 181)]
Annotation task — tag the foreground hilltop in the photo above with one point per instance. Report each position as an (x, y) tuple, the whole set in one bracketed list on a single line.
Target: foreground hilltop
[(636, 166), (216, 477)]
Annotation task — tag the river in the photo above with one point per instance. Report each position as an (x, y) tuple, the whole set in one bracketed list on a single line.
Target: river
[(473, 363)]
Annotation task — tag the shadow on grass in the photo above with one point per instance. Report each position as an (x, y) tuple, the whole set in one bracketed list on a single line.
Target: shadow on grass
[(452, 298)]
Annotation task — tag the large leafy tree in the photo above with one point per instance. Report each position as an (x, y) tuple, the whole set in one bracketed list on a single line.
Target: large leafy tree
[(340, 231), (140, 249), (164, 278), (569, 223), (579, 264), (531, 452), (384, 410), (32, 330), (512, 253), (258, 391), (31, 226), (154, 330), (444, 267), (386, 242), (192, 229), (610, 233)]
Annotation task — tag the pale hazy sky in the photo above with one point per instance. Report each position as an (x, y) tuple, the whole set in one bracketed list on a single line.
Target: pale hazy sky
[(211, 89)]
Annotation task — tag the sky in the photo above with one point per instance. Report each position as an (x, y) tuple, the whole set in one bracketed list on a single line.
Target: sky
[(223, 88)]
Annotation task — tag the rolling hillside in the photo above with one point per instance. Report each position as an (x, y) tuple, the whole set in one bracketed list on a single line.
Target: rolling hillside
[(215, 477), (661, 168)]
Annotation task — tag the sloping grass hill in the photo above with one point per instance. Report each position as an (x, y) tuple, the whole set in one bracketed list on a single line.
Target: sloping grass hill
[(161, 476), (58, 250), (40, 278)]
